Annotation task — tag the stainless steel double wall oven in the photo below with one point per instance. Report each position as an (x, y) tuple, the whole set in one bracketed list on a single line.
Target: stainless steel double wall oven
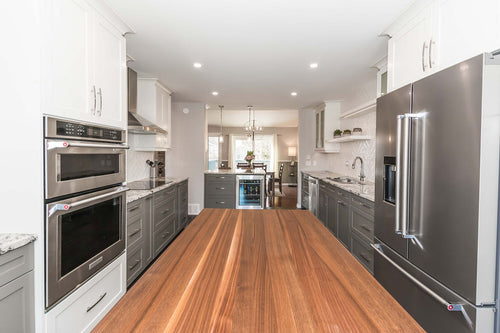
[(85, 202)]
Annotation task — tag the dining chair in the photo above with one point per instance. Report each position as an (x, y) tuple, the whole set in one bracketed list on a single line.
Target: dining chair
[(278, 179)]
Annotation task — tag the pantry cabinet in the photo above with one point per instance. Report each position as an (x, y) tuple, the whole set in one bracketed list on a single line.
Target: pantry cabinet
[(84, 62), (433, 35)]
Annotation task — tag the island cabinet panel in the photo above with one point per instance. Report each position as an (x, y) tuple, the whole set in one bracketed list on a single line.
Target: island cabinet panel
[(220, 191), (182, 205), (17, 312), (257, 271)]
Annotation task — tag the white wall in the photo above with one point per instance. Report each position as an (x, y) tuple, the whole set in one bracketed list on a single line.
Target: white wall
[(186, 158), (136, 164), (21, 137)]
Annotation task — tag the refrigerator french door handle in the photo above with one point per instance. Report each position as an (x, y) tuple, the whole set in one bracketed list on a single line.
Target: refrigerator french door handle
[(449, 306), (398, 175)]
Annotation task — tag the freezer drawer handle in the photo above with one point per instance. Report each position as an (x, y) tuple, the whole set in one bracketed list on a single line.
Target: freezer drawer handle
[(449, 306)]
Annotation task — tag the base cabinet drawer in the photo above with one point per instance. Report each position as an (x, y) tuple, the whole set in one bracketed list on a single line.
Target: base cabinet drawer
[(17, 311), (163, 236), (362, 251), (362, 223), (220, 202), (83, 309), (135, 264)]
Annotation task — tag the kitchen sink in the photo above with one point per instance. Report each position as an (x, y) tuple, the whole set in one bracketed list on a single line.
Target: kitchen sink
[(344, 180)]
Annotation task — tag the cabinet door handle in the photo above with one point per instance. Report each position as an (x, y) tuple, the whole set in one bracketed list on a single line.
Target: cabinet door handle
[(95, 101), (367, 206), (134, 233), (132, 209), (220, 188), (165, 235), (93, 305), (166, 211), (99, 112), (137, 261), (430, 52), (366, 228), (423, 56), (220, 202), (364, 256), (340, 203)]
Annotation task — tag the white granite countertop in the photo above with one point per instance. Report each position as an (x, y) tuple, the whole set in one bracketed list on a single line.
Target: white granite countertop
[(257, 171), (12, 241), (133, 195), (365, 190)]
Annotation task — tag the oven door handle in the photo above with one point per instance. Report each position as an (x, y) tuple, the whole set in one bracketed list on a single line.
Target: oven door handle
[(51, 144), (63, 206)]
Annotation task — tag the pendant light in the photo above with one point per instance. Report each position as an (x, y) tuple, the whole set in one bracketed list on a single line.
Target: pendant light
[(221, 136)]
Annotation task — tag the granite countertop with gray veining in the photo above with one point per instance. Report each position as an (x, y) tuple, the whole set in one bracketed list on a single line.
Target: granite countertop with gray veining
[(134, 195), (12, 241), (365, 190)]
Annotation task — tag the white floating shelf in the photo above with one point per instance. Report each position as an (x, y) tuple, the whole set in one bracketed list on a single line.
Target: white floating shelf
[(350, 138), (360, 110)]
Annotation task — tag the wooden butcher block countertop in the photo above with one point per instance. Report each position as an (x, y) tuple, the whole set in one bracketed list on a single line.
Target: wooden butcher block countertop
[(257, 271)]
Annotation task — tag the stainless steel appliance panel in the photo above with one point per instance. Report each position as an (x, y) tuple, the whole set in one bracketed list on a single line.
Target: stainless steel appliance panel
[(76, 166), (250, 191), (424, 299), (313, 185), (388, 107), (444, 175), (83, 234)]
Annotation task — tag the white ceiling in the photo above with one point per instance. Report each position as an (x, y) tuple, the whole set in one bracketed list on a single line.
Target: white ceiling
[(256, 52), (265, 118)]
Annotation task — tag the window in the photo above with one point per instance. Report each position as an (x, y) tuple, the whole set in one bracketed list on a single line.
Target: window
[(213, 152), (264, 149)]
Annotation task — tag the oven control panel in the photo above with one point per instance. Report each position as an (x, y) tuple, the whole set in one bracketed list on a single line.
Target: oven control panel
[(78, 130)]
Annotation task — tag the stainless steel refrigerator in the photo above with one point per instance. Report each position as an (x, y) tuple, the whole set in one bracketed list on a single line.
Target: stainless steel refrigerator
[(436, 200)]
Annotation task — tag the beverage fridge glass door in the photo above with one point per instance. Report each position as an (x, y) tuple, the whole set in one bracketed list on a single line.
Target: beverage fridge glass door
[(444, 175), (250, 192), (388, 108)]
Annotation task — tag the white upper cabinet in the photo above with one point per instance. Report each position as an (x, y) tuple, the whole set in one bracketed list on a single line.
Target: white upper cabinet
[(154, 104), (327, 120), (433, 35), (84, 63)]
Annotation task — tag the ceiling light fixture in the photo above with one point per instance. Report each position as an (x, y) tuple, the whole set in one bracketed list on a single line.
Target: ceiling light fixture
[(314, 65), (251, 127), (215, 93), (197, 65), (221, 136), (293, 93)]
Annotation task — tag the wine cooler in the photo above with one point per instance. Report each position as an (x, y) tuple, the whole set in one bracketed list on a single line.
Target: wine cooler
[(250, 191)]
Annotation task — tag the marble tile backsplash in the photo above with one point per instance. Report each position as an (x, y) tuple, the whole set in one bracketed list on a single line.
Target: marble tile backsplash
[(341, 162), (136, 164)]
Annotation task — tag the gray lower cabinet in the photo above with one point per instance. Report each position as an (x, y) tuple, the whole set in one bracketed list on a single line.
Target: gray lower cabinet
[(220, 191), (152, 223), (350, 218), (17, 312)]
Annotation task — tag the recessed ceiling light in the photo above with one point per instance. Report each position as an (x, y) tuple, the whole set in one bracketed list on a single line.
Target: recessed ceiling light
[(215, 93), (314, 65), (294, 93), (197, 65)]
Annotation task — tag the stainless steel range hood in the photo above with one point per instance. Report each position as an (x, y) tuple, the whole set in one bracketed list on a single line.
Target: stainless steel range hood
[(136, 123)]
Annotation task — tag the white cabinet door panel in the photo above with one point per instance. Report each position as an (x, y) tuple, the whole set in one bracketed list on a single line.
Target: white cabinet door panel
[(110, 70), (68, 60)]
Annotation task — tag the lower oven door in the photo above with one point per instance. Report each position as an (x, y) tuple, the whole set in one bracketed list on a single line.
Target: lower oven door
[(83, 234), (77, 166)]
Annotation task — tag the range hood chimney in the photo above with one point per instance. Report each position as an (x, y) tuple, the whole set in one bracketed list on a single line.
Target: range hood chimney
[(136, 123)]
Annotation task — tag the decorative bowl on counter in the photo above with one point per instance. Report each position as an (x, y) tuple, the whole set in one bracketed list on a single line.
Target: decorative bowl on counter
[(357, 131)]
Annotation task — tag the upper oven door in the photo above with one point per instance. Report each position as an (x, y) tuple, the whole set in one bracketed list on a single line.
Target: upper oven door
[(76, 166)]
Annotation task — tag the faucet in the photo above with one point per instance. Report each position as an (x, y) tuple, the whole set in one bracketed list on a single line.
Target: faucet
[(362, 171)]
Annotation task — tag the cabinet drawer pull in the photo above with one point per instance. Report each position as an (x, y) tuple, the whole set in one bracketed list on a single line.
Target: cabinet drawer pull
[(137, 261), (132, 209), (367, 206), (165, 235), (220, 177), (134, 233), (93, 305), (220, 188), (364, 256), (220, 202), (341, 203), (366, 228), (166, 211)]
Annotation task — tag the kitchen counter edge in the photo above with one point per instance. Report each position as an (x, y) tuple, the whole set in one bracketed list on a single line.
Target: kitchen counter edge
[(11, 241), (134, 195)]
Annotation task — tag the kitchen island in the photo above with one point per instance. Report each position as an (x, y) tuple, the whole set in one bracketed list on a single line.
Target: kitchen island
[(257, 271)]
